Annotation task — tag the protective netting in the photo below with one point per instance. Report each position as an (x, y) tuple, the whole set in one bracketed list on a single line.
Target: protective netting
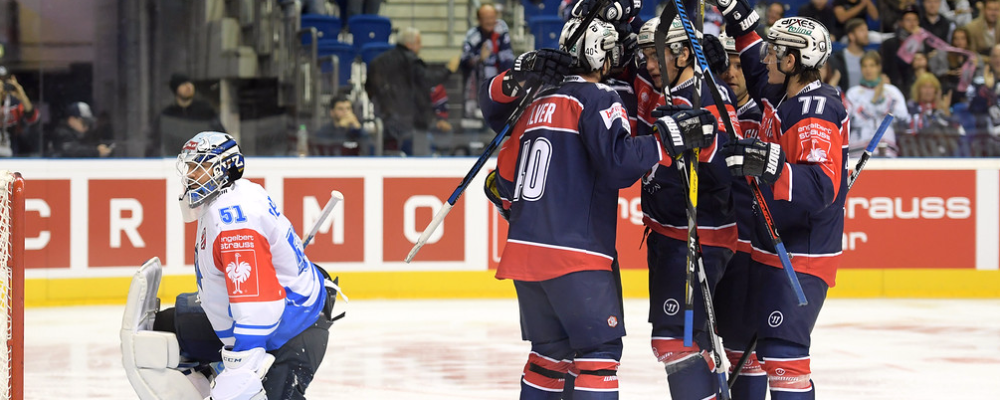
[(6, 187)]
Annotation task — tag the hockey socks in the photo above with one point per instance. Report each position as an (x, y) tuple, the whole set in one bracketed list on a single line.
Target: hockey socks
[(752, 382), (689, 371)]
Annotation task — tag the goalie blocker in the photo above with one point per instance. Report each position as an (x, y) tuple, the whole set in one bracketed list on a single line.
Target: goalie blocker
[(174, 353)]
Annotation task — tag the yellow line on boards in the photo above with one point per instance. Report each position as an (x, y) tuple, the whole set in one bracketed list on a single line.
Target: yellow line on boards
[(851, 283)]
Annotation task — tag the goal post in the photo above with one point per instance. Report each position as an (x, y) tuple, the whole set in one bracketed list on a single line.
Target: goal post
[(12, 285)]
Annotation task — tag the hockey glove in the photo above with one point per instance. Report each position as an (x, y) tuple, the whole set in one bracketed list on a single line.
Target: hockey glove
[(628, 44), (741, 18), (752, 157), (493, 194), (686, 130), (243, 375), (616, 11), (718, 59), (547, 66)]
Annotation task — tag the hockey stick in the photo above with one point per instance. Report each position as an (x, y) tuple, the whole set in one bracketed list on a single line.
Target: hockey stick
[(868, 150), (693, 247), (857, 171), (335, 198), (691, 179), (758, 197), (531, 91)]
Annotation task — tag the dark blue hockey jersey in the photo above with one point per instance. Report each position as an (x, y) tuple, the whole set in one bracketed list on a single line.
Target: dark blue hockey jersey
[(664, 195), (560, 170), (807, 202), (749, 115)]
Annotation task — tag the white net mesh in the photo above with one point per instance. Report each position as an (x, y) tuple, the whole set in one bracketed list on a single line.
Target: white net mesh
[(6, 181)]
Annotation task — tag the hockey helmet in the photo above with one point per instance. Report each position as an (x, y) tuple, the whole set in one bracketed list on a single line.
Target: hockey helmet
[(596, 44), (207, 163), (808, 35), (729, 43)]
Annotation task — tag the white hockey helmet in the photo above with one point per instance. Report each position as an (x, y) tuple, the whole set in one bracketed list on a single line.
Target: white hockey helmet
[(729, 43), (207, 163), (808, 35), (595, 45), (647, 33)]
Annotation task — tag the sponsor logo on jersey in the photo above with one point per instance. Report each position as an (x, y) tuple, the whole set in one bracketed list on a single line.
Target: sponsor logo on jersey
[(775, 319), (671, 307), (616, 111)]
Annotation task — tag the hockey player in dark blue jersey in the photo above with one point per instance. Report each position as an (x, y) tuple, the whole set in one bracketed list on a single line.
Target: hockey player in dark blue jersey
[(732, 296), (559, 175), (689, 372), (800, 157)]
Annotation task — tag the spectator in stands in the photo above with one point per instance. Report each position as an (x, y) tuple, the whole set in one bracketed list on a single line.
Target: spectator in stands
[(75, 137), (984, 105), (775, 11), (16, 115), (958, 11), (848, 60), (821, 11), (399, 84), (932, 21), (983, 30), (869, 103), (358, 7), (184, 107), (891, 11), (948, 65), (343, 136), (485, 53), (920, 64), (930, 111), (315, 7), (900, 72), (845, 10)]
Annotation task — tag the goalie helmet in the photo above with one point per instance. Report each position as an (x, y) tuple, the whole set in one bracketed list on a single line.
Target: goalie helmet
[(809, 36), (597, 44), (208, 162)]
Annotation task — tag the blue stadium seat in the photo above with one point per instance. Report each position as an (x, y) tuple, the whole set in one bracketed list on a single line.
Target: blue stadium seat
[(328, 26), (545, 8), (345, 54), (371, 50), (546, 30), (368, 29)]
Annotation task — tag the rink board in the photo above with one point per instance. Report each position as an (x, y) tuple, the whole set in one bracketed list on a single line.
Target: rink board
[(914, 228)]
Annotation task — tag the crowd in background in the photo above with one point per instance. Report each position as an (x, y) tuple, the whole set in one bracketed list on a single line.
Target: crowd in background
[(930, 63)]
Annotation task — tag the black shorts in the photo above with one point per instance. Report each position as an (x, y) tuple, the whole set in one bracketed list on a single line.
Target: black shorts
[(582, 307)]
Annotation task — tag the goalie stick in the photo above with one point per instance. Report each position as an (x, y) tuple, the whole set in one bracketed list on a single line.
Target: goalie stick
[(857, 171), (702, 69), (335, 198), (532, 89)]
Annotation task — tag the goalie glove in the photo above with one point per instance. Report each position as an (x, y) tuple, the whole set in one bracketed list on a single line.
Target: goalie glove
[(685, 130), (616, 11), (242, 376), (741, 18), (752, 157)]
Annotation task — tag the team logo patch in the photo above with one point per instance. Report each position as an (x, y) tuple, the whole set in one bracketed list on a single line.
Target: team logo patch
[(612, 321), (775, 319), (671, 307)]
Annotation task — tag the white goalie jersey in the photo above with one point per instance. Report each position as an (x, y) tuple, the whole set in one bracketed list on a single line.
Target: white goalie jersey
[(256, 284)]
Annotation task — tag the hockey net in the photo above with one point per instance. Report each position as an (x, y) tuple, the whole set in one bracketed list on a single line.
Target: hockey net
[(11, 284)]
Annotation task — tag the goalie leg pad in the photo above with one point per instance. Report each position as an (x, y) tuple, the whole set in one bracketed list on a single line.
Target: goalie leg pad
[(149, 357)]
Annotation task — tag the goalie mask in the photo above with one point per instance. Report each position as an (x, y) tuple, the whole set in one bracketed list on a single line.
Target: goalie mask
[(807, 35), (208, 162), (595, 46)]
